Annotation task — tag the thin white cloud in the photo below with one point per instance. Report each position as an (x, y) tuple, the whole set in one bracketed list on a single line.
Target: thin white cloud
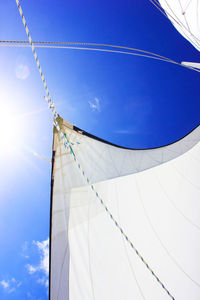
[(33, 112), (123, 131), (43, 266), (126, 131), (24, 252), (5, 284), (43, 281), (95, 105), (44, 258), (31, 269), (10, 285)]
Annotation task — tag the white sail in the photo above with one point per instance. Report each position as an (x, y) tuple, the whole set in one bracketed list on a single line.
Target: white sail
[(154, 197), (185, 16), (191, 64)]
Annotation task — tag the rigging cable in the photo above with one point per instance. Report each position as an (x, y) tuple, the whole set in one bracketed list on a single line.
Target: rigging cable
[(60, 45)]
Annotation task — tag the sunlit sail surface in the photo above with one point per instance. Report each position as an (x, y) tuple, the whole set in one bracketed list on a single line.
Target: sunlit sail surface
[(185, 16), (154, 197)]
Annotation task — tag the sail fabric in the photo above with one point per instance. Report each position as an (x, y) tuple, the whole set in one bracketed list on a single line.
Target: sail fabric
[(154, 196), (191, 64), (185, 16)]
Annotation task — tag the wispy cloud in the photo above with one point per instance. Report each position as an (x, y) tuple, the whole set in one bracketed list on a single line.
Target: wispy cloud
[(123, 131), (10, 285), (24, 252), (42, 268), (33, 112), (31, 269), (127, 131), (5, 284), (44, 258), (95, 105), (44, 281)]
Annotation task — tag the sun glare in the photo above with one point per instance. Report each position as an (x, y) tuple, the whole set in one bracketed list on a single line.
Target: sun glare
[(10, 132)]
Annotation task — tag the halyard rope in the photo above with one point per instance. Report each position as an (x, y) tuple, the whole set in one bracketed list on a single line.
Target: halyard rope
[(67, 145), (87, 44), (62, 45)]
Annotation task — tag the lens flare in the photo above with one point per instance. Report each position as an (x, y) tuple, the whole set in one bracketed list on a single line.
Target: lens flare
[(22, 70)]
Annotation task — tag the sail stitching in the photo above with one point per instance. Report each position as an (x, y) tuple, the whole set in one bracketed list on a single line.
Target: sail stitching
[(174, 204), (159, 239), (89, 252), (126, 252)]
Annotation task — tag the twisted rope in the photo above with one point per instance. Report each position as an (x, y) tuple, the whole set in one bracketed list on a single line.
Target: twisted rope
[(77, 46)]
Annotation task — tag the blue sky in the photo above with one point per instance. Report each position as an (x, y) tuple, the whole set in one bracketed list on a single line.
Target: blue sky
[(131, 101)]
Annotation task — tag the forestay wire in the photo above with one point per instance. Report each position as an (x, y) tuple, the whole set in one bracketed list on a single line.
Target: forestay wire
[(68, 146)]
